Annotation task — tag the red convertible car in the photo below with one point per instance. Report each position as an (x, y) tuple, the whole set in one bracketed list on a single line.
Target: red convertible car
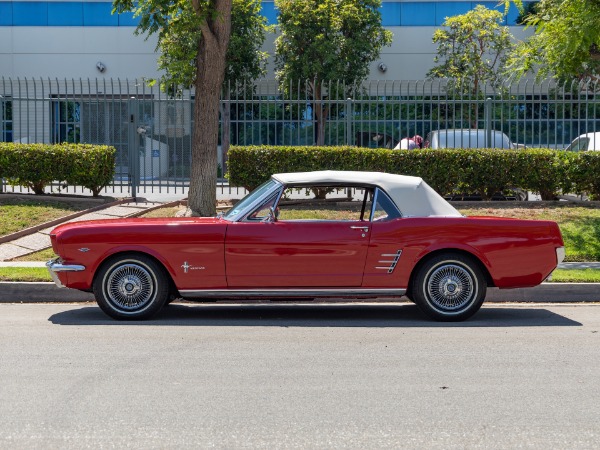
[(310, 235)]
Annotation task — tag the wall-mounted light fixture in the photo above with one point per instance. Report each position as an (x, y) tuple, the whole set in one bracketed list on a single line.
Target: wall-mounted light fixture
[(101, 67), (382, 67)]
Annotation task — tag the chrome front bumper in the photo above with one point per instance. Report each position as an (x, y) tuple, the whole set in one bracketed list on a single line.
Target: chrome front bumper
[(56, 265)]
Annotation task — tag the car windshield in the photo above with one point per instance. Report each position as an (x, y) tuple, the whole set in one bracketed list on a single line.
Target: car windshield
[(249, 199)]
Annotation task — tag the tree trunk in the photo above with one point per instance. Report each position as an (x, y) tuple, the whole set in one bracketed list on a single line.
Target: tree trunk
[(320, 111), (202, 196), (226, 127)]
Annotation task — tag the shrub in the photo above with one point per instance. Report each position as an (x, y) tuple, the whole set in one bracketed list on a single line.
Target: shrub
[(481, 171), (543, 171), (35, 166), (585, 171), (91, 166)]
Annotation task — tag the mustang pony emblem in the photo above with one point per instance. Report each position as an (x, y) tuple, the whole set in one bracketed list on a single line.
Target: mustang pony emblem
[(186, 267)]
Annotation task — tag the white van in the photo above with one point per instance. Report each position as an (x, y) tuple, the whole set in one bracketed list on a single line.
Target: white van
[(467, 138), (585, 142)]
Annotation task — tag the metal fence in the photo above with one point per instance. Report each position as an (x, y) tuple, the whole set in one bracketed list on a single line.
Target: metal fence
[(153, 131)]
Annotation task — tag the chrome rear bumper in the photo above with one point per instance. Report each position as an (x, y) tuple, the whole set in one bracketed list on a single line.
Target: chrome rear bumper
[(56, 265), (560, 254)]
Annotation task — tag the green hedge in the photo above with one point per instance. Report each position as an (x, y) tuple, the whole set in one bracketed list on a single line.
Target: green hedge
[(35, 166), (481, 171), (585, 173)]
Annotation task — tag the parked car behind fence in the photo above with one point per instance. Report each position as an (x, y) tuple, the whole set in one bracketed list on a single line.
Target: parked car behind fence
[(468, 138), (585, 142)]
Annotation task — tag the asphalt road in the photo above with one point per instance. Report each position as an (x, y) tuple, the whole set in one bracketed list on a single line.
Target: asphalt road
[(299, 376)]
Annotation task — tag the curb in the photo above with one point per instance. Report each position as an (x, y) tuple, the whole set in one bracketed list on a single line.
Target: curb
[(48, 292), (43, 292)]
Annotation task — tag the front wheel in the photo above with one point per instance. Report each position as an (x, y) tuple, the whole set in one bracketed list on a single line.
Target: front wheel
[(449, 287), (131, 287)]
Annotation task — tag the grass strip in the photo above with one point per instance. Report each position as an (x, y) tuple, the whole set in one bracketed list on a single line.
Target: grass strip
[(18, 215), (42, 255), (576, 276), (28, 274)]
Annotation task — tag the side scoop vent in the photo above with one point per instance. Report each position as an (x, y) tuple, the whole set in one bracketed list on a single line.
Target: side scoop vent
[(389, 261)]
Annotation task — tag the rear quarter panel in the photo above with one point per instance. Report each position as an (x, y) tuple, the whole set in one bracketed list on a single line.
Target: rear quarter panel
[(516, 253)]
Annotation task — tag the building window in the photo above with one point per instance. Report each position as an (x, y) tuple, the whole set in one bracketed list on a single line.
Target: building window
[(66, 121), (6, 123)]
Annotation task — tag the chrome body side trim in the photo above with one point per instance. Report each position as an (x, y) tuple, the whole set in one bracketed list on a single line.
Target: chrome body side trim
[(55, 265), (291, 293)]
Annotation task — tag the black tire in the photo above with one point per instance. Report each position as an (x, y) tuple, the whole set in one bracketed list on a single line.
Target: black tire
[(449, 287), (131, 287)]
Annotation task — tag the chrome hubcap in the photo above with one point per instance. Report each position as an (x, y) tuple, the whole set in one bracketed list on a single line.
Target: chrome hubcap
[(130, 286), (450, 287)]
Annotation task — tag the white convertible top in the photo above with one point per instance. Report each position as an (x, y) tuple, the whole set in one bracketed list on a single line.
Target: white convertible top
[(412, 195)]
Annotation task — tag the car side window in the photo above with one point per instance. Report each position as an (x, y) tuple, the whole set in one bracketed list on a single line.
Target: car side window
[(325, 203), (384, 209), (262, 212), (583, 144), (579, 145)]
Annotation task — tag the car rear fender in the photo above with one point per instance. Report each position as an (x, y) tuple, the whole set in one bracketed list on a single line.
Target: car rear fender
[(469, 251)]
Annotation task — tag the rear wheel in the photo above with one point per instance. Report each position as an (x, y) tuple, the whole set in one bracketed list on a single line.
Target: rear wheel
[(131, 287), (449, 287)]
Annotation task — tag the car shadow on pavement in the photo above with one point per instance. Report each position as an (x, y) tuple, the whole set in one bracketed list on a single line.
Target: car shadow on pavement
[(316, 315)]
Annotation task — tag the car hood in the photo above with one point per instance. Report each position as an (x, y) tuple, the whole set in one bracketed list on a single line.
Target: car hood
[(136, 222)]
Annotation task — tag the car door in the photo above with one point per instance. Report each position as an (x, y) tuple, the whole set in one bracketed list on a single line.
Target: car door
[(302, 254), (294, 251)]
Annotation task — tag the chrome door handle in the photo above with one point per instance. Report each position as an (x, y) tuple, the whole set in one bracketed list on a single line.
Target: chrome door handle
[(365, 229)]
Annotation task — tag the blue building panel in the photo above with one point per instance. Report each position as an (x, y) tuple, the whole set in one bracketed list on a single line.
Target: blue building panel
[(93, 14), (416, 14), (390, 14), (513, 13), (65, 14), (449, 9), (127, 20), (6, 14), (268, 10), (99, 15), (27, 14)]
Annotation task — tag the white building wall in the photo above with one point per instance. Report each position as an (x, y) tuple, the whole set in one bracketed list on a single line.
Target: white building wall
[(73, 52)]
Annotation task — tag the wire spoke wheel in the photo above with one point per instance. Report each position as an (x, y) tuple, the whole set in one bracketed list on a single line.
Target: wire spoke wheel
[(130, 286), (450, 287)]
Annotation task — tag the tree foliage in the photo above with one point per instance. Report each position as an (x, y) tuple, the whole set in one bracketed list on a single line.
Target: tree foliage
[(566, 43), (325, 40), (245, 61), (204, 25), (472, 49)]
